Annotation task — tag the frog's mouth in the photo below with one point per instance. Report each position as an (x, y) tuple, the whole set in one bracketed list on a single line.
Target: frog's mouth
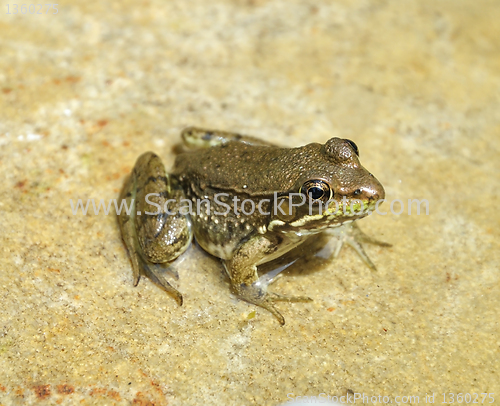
[(351, 208), (333, 216)]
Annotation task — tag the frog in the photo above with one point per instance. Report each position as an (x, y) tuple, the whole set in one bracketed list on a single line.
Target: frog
[(247, 202)]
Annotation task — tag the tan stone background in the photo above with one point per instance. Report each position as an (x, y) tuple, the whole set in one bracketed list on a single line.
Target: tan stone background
[(416, 84)]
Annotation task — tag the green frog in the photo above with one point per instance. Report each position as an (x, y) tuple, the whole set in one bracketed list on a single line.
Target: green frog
[(247, 202)]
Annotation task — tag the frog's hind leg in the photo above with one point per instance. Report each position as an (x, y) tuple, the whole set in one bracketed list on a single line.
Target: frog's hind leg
[(195, 138), (126, 220), (153, 231), (245, 281)]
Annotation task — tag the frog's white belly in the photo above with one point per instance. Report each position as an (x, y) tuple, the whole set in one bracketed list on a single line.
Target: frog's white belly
[(226, 251)]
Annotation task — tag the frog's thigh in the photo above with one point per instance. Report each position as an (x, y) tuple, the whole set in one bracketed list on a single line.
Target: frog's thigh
[(159, 236), (195, 137), (242, 266), (163, 230)]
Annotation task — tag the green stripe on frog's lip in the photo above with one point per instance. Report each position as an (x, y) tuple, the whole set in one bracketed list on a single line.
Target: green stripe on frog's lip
[(318, 222), (305, 225), (366, 206)]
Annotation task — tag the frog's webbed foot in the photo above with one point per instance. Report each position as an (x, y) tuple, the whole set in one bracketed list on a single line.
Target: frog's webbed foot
[(156, 273), (268, 279), (352, 235), (162, 282), (257, 294)]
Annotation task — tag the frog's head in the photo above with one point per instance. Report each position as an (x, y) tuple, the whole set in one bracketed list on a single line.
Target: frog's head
[(333, 188)]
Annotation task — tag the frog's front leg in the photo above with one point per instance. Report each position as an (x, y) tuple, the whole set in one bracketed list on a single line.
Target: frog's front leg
[(154, 231), (352, 235), (245, 282)]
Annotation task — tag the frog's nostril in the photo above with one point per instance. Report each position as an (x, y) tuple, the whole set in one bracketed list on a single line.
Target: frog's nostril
[(374, 192)]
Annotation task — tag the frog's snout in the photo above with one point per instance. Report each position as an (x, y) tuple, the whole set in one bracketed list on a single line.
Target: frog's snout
[(373, 191)]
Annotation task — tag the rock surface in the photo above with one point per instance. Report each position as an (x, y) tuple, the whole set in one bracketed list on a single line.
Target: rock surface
[(85, 91)]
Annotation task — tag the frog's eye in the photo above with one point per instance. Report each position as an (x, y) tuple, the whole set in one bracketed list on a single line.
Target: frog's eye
[(317, 190), (354, 146)]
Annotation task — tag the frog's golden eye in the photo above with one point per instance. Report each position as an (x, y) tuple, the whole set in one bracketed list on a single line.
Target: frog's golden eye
[(317, 190), (354, 146)]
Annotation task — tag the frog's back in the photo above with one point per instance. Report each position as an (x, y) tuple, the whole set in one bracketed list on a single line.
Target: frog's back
[(250, 169)]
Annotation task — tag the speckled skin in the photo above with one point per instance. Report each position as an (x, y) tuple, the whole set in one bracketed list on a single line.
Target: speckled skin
[(263, 170), (244, 168)]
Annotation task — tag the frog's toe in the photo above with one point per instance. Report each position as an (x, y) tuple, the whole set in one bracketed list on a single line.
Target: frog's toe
[(270, 307), (258, 295), (137, 266), (271, 297), (157, 277), (137, 279), (351, 235), (276, 297), (360, 237), (361, 252)]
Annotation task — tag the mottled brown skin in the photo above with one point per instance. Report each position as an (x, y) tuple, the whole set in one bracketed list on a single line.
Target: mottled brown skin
[(245, 168), (263, 170)]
